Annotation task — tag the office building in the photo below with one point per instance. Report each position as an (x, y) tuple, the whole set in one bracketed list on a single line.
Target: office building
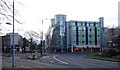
[(69, 35)]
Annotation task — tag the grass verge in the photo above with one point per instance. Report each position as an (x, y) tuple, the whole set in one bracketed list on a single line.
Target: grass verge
[(103, 58)]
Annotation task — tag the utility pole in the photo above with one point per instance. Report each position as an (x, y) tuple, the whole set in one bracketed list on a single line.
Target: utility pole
[(13, 60), (112, 35), (42, 38)]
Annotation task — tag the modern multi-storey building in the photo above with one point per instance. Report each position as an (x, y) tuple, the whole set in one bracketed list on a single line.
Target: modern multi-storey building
[(86, 33), (66, 35), (58, 32)]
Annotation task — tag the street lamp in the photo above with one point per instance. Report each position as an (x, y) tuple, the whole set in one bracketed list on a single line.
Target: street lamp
[(42, 35), (13, 59)]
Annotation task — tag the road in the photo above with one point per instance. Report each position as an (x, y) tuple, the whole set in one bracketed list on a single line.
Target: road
[(77, 60), (62, 60)]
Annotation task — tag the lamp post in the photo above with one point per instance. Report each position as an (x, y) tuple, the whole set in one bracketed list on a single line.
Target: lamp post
[(42, 37), (13, 58)]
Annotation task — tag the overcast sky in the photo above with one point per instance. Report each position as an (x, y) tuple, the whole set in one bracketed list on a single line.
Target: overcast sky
[(33, 11)]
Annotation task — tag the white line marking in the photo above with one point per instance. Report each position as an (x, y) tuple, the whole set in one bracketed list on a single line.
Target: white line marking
[(60, 60), (23, 66)]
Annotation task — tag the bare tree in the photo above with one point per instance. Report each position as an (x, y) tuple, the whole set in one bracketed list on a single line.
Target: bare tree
[(31, 35), (6, 9)]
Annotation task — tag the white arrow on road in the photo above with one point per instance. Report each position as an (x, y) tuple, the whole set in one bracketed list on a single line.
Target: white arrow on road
[(60, 60)]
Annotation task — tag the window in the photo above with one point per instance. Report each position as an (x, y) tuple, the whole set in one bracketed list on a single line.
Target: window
[(73, 23), (80, 23), (98, 25), (82, 35), (72, 29), (92, 35), (94, 24), (98, 30), (99, 36), (81, 29), (92, 42), (99, 42), (72, 35), (73, 42), (92, 30), (90, 24), (81, 42), (85, 23)]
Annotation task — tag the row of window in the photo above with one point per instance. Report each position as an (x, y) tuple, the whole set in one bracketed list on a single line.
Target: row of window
[(83, 29), (84, 35), (86, 24), (83, 42)]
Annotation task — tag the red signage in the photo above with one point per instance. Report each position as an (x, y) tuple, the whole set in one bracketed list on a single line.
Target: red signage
[(77, 49)]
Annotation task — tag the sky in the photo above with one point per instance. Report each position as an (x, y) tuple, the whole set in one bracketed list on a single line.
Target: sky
[(32, 12)]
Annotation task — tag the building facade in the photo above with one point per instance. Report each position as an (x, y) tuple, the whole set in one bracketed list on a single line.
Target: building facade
[(68, 35), (58, 32), (113, 37), (7, 42)]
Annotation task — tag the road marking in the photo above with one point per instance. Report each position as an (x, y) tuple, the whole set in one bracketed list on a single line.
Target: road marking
[(52, 61), (26, 67), (60, 60), (23, 66)]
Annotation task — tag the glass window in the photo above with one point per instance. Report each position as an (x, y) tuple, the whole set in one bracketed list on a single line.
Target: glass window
[(73, 23), (73, 42), (81, 42), (98, 25), (92, 30), (80, 29), (91, 24), (80, 35), (80, 23), (72, 35), (92, 35), (98, 35), (72, 29), (98, 30), (92, 42), (99, 42)]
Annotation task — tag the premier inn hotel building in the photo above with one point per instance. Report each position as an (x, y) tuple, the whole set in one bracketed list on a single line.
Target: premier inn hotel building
[(77, 35)]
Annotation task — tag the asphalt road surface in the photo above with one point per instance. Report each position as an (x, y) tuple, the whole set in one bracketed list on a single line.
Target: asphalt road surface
[(61, 60)]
